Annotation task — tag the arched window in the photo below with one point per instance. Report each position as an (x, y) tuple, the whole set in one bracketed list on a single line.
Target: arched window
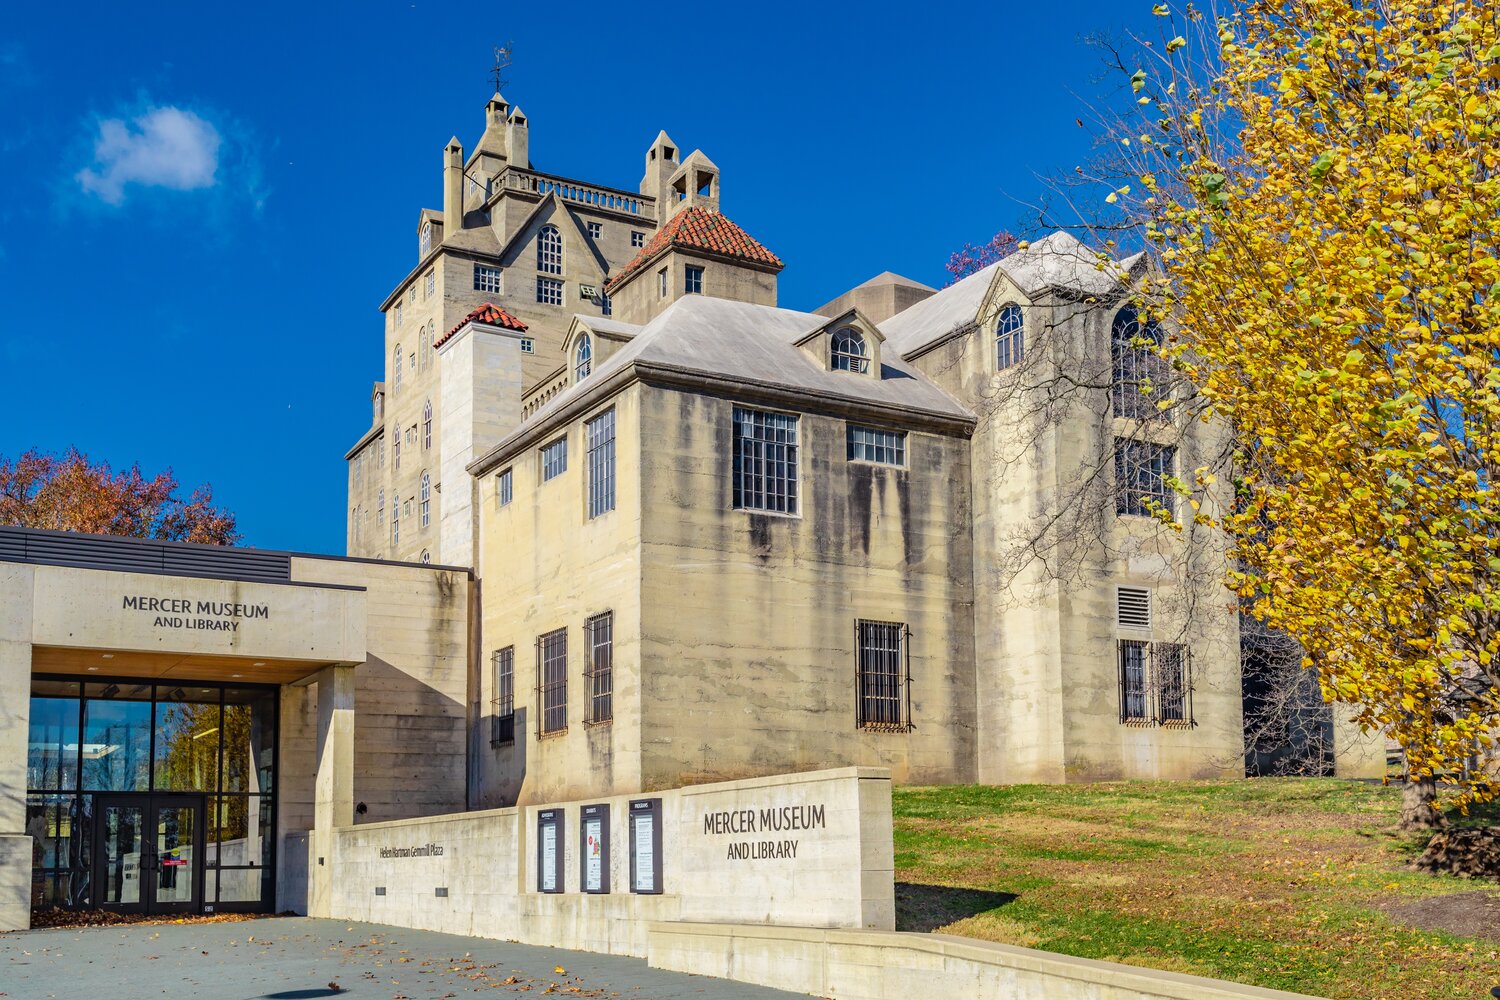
[(1010, 337), (849, 351), (426, 236), (425, 507), (1139, 371), (426, 557), (549, 251), (427, 425), (425, 358), (583, 361), (396, 369)]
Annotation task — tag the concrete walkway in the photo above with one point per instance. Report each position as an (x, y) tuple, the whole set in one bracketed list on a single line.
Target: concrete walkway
[(296, 958)]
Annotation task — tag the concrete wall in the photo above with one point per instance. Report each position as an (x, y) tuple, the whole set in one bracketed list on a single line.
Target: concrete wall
[(749, 618), (16, 589), (882, 965), (639, 299), (839, 873)]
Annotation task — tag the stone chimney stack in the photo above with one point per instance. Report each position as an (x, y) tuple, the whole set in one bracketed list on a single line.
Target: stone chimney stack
[(517, 140), (661, 164), (453, 187)]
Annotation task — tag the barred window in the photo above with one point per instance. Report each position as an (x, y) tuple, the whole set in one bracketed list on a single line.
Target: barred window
[(884, 675), (425, 506), (848, 353), (692, 280), (1173, 690), (1010, 337), (583, 359), (552, 681), (765, 461), (554, 459), (504, 665), (599, 632), (866, 444), (503, 487), (1133, 655), (1140, 373), (486, 278), (549, 291), (427, 424), (1141, 471), (600, 433), (549, 251)]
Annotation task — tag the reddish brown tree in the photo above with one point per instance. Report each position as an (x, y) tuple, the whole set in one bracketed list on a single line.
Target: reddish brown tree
[(970, 258), (69, 493)]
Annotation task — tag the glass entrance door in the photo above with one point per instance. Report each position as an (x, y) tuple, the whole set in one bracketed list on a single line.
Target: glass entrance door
[(149, 853)]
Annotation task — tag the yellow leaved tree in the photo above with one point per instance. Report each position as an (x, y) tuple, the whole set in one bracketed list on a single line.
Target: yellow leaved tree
[(1320, 181)]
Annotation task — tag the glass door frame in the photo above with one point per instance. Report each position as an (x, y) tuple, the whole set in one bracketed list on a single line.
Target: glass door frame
[(148, 870)]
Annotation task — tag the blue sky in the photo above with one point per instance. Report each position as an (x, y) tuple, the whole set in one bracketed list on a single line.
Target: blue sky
[(202, 210)]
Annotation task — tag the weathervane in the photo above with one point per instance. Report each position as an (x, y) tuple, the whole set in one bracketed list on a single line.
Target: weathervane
[(502, 63)]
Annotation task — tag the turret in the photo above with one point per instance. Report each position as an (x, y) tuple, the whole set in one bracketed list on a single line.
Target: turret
[(661, 164)]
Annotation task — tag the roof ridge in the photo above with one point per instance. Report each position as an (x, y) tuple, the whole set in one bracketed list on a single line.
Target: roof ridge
[(699, 228)]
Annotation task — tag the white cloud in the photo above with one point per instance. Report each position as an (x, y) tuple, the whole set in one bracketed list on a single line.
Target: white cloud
[(164, 147)]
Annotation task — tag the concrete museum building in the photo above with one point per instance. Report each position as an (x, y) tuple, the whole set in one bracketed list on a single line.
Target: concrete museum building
[(620, 523)]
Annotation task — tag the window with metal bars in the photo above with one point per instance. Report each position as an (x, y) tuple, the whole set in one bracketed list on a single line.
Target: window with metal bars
[(600, 434), (1141, 471), (1140, 372), (599, 635), (884, 661), (1174, 690), (866, 444), (554, 459), (504, 726), (765, 461), (1133, 656), (552, 682)]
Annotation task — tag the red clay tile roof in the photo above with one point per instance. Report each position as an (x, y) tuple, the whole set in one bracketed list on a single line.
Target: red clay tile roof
[(488, 314), (699, 228)]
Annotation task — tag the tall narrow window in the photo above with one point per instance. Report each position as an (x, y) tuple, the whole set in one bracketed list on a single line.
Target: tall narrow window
[(884, 678), (396, 447), (359, 468), (427, 425), (399, 315), (552, 682), (599, 632), (692, 280), (424, 358), (424, 506), (503, 487), (1140, 372), (601, 456), (1010, 337), (426, 241), (396, 365), (661, 283), (395, 521), (554, 459), (848, 353), (431, 283), (1141, 473), (380, 510), (1133, 655), (549, 250), (426, 557), (583, 359), (765, 461), (504, 664), (1169, 660), (381, 449)]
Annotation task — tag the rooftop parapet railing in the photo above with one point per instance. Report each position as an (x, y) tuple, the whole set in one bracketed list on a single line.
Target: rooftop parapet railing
[(584, 194), (141, 555)]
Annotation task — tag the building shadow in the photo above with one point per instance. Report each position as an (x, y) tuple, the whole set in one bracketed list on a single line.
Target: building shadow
[(926, 908)]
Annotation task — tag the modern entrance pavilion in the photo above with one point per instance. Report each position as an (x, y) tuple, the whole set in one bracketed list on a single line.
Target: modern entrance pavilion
[(181, 724)]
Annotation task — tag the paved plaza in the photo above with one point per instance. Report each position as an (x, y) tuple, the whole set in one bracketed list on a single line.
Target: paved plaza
[(296, 958)]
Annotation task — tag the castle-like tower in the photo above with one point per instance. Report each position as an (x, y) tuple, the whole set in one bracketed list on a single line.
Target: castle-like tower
[(514, 253)]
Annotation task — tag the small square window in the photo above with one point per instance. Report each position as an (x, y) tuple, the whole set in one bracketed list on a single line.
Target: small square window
[(503, 487), (528, 346), (596, 230), (866, 444), (486, 278), (554, 459), (637, 238), (692, 280), (549, 291)]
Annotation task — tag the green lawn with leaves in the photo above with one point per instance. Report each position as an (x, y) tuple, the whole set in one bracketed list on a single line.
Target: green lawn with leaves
[(1283, 883)]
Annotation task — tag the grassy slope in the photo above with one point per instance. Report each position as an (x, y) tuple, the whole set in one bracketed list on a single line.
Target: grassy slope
[(1270, 882)]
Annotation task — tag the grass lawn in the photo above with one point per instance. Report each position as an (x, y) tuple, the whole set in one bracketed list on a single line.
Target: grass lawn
[(1283, 883)]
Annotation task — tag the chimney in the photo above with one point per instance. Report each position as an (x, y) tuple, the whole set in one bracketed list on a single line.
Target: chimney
[(661, 162), (453, 187), (517, 140)]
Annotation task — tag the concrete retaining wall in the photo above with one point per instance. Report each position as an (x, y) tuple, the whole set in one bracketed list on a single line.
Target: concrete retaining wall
[(885, 965)]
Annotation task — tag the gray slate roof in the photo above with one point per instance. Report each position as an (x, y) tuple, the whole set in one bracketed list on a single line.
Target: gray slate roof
[(1058, 261)]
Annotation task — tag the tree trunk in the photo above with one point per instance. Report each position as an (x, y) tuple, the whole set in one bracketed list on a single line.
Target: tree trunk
[(1419, 806)]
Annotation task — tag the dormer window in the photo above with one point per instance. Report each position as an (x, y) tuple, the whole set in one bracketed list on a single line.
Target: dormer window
[(426, 236), (849, 353), (583, 361)]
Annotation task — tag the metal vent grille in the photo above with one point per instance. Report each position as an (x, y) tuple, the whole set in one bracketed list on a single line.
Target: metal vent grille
[(63, 548), (1133, 607)]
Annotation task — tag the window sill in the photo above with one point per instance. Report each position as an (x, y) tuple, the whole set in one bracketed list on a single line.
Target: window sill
[(768, 513), (596, 723), (878, 465), (886, 727), (1138, 723), (552, 734), (503, 743)]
